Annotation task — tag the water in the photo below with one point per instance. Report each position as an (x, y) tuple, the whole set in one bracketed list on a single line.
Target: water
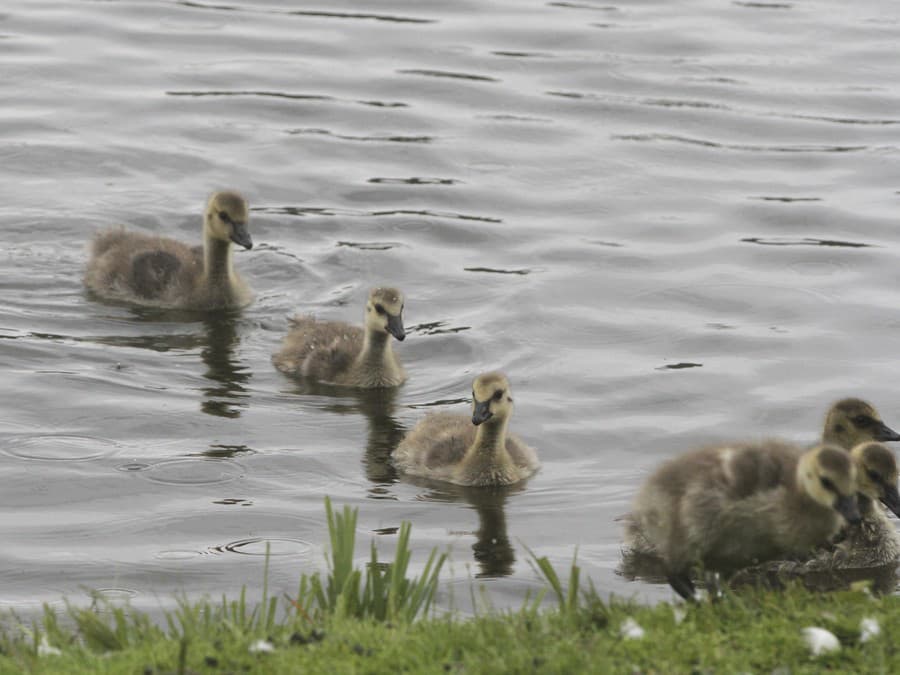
[(668, 223)]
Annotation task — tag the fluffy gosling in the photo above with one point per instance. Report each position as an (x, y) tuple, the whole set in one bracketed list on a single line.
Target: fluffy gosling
[(852, 421), (339, 353), (726, 508), (476, 451), (163, 272)]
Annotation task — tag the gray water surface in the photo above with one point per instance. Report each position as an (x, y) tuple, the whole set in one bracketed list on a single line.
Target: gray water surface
[(668, 223)]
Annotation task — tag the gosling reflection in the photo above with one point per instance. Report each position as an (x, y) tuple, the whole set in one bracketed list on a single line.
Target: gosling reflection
[(221, 451), (492, 549), (385, 432), (227, 394)]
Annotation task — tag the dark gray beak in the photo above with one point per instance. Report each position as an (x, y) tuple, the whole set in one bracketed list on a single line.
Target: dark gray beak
[(848, 508), (395, 326), (891, 499), (482, 412), (882, 432), (240, 236)]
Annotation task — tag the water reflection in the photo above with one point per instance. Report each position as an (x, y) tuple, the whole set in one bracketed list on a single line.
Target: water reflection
[(227, 394), (221, 451), (492, 549), (385, 432), (881, 579)]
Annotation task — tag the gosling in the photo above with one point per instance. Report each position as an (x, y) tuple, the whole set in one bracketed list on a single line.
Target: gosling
[(874, 541), (726, 508), (163, 272), (450, 448), (852, 421), (341, 354), (848, 423), (871, 543)]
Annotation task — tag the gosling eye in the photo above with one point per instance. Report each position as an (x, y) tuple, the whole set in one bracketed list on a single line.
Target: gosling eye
[(224, 217), (873, 475), (827, 484), (498, 394), (863, 421), (379, 309)]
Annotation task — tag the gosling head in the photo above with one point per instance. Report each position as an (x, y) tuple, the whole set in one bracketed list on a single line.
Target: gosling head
[(828, 476), (852, 421), (384, 312), (876, 474), (226, 218), (490, 397)]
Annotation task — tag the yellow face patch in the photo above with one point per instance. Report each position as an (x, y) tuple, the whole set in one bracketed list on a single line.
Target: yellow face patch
[(390, 299), (487, 385), (232, 204)]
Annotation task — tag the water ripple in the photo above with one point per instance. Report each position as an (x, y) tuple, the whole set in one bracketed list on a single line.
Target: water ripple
[(266, 546), (415, 180), (264, 94), (743, 147), (347, 137), (310, 13), (188, 471), (59, 447), (448, 74), (280, 94), (805, 241), (494, 270), (303, 211), (370, 245)]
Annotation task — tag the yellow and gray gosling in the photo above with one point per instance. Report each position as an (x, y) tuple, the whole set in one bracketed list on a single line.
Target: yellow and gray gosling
[(871, 543), (476, 451), (874, 541), (728, 507), (339, 353), (848, 423), (852, 421), (163, 272)]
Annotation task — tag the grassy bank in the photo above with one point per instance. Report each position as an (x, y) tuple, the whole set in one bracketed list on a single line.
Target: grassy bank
[(352, 620)]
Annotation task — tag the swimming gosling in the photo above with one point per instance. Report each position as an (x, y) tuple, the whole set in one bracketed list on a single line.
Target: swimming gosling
[(163, 272), (470, 451), (852, 421), (339, 353), (728, 507), (877, 477), (874, 541)]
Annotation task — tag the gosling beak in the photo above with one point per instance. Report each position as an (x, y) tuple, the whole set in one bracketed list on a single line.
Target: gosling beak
[(482, 412), (395, 326), (241, 237), (883, 432), (848, 508), (891, 499)]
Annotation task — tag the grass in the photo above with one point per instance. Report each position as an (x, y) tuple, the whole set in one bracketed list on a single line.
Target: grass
[(378, 620)]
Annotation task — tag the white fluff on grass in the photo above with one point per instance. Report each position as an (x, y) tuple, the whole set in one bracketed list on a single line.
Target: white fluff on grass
[(261, 647), (820, 641), (46, 649), (868, 629), (631, 629)]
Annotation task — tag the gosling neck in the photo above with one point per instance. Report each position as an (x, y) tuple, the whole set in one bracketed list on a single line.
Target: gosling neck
[(376, 350), (217, 264), (490, 438)]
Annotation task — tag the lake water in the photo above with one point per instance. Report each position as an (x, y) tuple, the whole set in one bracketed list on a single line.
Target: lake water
[(668, 223)]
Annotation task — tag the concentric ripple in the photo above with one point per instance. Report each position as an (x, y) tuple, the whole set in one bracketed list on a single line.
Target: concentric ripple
[(59, 447), (188, 471), (261, 546)]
